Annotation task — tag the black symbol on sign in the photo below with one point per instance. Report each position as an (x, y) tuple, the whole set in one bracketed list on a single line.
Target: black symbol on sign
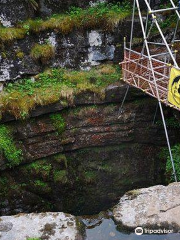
[(175, 89)]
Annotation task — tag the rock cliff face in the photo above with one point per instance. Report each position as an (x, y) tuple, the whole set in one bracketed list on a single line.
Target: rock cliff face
[(78, 48), (74, 158), (80, 159)]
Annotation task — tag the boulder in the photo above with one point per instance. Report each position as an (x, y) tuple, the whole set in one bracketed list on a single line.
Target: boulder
[(157, 206), (40, 226)]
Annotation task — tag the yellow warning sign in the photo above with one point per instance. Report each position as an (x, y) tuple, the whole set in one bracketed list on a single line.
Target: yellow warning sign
[(174, 87)]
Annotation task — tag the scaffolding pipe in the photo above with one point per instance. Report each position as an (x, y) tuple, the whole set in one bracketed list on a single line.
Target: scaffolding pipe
[(159, 29), (151, 65), (160, 54), (163, 10), (172, 3), (155, 43)]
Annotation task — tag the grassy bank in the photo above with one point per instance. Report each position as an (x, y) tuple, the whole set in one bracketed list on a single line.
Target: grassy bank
[(54, 85), (104, 16)]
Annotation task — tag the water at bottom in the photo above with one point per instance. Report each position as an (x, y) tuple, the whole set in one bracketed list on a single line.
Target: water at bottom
[(102, 227)]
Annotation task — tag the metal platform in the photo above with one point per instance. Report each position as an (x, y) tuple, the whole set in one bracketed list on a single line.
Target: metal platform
[(137, 72)]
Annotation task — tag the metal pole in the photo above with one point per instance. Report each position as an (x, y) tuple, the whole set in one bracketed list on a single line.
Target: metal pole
[(132, 24), (155, 43), (163, 10), (154, 119), (174, 7), (122, 104), (158, 27), (175, 32), (131, 38), (154, 78)]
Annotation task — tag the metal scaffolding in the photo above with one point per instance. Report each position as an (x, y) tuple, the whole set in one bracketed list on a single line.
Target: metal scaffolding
[(150, 69)]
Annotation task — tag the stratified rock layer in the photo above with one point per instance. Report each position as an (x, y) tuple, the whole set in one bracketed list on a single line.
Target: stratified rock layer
[(149, 207), (50, 226), (94, 160)]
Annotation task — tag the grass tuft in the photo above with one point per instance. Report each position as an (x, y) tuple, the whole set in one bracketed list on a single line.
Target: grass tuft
[(42, 52), (58, 122), (10, 34), (8, 147), (176, 157)]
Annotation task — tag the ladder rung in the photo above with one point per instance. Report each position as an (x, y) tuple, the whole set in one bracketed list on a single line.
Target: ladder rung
[(163, 10), (176, 40)]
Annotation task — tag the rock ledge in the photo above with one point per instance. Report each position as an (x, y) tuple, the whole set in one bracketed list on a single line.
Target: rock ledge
[(51, 226), (149, 207)]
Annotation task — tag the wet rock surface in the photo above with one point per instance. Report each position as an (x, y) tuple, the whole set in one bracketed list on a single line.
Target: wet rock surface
[(157, 206), (51, 226)]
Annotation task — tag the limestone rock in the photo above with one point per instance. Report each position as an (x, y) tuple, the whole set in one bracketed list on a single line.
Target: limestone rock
[(50, 226), (149, 207)]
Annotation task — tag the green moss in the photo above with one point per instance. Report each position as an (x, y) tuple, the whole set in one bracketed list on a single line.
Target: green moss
[(8, 147), (61, 158), (55, 85), (58, 122), (90, 176), (10, 34), (170, 123), (41, 187), (105, 168), (176, 158), (4, 55), (42, 52), (60, 176), (133, 193), (19, 54), (3, 186), (8, 184), (39, 167), (40, 183)]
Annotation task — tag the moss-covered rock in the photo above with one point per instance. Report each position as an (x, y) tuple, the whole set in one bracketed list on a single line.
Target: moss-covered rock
[(80, 159)]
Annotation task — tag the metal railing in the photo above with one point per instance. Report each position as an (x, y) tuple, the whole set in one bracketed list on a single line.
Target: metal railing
[(138, 73)]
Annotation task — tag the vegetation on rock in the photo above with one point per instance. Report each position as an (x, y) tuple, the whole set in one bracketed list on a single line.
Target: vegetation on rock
[(60, 176), (41, 167), (54, 85), (11, 33), (176, 158), (33, 239), (58, 122), (171, 123), (42, 52), (105, 16), (8, 147)]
